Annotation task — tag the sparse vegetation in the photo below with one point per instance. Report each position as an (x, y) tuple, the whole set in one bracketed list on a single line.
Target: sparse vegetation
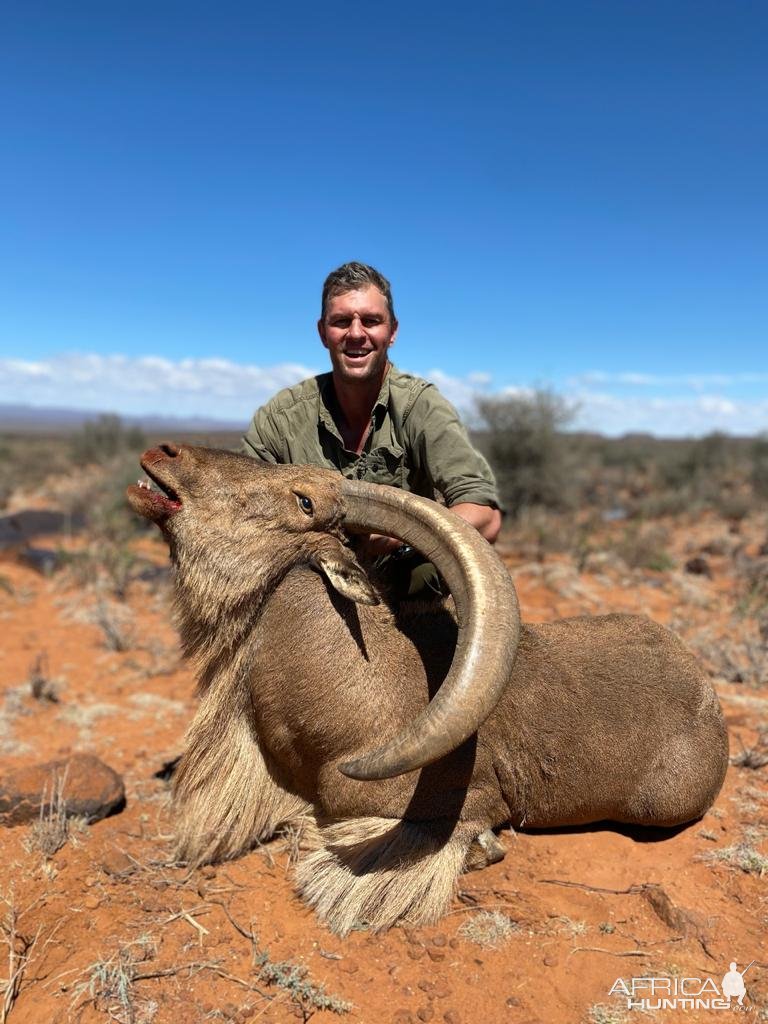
[(41, 685), (489, 928), (293, 979), (54, 826), (743, 855), (599, 1013), (100, 440), (525, 445)]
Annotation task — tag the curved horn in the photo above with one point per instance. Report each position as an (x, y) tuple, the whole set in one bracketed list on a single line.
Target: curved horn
[(488, 617)]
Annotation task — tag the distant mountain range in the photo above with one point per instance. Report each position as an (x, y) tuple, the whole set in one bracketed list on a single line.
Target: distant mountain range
[(44, 419)]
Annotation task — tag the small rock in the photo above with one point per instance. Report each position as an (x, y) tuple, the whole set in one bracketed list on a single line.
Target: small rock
[(91, 789), (426, 985), (349, 967), (435, 955), (402, 1017), (512, 1001), (454, 943), (425, 1013), (91, 902), (439, 940), (451, 1017), (550, 961), (117, 864), (698, 566), (416, 952), (441, 989), (208, 871)]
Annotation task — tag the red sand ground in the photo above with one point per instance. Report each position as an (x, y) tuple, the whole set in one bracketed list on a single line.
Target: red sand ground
[(581, 915)]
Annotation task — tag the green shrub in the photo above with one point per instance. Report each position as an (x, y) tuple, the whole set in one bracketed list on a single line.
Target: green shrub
[(100, 440), (527, 450)]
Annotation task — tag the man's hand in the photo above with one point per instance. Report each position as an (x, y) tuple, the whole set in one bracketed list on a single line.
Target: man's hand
[(486, 520)]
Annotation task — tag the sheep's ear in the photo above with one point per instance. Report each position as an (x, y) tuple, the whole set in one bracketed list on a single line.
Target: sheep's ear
[(344, 573)]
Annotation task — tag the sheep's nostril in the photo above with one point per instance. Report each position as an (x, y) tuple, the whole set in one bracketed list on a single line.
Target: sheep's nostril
[(170, 449)]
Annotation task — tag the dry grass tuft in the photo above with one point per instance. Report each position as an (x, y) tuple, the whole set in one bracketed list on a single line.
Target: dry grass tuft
[(53, 827), (489, 928), (743, 855)]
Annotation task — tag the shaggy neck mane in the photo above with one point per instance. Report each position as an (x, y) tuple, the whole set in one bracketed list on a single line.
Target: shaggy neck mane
[(217, 627)]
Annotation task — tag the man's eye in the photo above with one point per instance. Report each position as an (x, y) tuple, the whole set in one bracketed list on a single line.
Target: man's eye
[(340, 323), (305, 504), (371, 321)]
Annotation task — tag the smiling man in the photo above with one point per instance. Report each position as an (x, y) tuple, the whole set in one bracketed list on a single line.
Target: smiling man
[(370, 421)]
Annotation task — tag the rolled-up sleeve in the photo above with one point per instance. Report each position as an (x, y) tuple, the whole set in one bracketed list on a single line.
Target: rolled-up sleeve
[(262, 439), (440, 442)]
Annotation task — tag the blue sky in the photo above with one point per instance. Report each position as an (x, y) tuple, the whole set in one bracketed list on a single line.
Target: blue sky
[(564, 194)]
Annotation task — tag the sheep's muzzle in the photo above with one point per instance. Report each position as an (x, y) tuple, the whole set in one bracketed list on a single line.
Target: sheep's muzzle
[(156, 505)]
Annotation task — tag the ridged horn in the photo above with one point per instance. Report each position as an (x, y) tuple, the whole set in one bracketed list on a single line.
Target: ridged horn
[(488, 618)]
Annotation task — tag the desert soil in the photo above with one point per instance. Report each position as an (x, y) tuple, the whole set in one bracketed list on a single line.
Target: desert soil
[(109, 928)]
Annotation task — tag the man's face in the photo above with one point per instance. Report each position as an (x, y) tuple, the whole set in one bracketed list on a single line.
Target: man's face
[(357, 331)]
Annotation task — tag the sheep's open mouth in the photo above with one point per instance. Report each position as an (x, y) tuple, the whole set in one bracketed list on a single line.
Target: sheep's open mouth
[(156, 502)]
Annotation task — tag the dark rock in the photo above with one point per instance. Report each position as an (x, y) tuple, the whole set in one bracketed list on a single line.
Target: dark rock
[(699, 566), (89, 789)]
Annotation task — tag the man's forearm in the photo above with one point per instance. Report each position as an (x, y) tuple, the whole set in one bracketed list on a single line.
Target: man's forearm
[(486, 520)]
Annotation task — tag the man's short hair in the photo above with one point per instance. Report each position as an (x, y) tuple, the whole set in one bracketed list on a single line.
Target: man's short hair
[(351, 277)]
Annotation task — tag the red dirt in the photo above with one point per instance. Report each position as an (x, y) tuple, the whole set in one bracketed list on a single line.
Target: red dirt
[(579, 899)]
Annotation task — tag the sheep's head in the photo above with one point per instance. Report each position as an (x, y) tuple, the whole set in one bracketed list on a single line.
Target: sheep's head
[(235, 525)]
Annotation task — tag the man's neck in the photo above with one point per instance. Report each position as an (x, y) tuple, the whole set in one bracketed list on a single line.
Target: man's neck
[(356, 400)]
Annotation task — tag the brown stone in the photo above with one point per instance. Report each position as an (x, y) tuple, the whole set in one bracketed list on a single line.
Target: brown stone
[(451, 1017), (436, 955), (439, 940), (441, 989), (550, 961), (208, 871), (117, 864), (89, 789), (402, 1017), (416, 952), (91, 902), (426, 985), (425, 1013)]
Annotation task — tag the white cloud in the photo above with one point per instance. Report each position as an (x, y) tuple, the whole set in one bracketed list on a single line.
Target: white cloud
[(146, 384), (218, 388), (693, 381)]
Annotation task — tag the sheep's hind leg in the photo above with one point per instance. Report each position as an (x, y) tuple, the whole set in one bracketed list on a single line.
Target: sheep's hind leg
[(484, 850)]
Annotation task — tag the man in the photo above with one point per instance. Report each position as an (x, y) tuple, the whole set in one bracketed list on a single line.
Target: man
[(369, 420)]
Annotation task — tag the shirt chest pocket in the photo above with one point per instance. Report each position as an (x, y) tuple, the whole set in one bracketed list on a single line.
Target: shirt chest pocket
[(385, 465)]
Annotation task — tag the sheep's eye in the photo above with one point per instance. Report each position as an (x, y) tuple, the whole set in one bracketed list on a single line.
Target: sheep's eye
[(305, 504)]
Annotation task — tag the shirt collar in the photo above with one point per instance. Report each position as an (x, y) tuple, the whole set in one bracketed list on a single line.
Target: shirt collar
[(328, 403)]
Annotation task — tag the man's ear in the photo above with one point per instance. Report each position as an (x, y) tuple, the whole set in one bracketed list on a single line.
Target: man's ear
[(343, 571), (393, 335), (321, 331)]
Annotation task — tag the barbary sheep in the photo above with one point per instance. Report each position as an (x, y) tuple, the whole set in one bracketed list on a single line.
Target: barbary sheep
[(305, 663)]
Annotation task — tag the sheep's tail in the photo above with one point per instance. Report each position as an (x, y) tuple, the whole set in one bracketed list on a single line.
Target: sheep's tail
[(376, 872), (226, 797)]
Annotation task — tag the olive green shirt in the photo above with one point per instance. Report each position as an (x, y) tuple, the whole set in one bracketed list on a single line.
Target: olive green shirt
[(416, 442)]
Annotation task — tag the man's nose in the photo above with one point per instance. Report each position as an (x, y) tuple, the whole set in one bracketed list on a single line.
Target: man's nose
[(355, 329)]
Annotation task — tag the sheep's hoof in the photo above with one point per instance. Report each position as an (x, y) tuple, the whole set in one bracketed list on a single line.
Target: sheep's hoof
[(484, 850)]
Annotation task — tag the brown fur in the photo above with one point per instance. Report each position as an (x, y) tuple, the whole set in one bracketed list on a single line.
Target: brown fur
[(603, 718)]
